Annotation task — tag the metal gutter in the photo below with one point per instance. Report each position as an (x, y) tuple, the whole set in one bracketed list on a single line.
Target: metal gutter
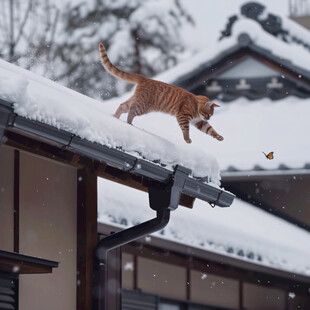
[(112, 157)]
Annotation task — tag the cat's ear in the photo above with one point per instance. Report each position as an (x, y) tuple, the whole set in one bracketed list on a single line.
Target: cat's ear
[(211, 104)]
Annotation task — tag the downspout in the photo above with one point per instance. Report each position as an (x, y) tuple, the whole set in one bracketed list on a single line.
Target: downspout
[(163, 199)]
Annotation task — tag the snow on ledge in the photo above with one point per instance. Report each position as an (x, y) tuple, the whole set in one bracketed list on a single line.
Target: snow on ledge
[(242, 231), (42, 100)]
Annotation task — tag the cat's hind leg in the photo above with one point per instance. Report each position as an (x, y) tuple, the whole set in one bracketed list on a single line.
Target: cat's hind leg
[(123, 108), (131, 114), (136, 109)]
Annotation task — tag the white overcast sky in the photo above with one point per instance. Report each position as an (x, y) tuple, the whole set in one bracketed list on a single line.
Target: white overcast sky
[(211, 16)]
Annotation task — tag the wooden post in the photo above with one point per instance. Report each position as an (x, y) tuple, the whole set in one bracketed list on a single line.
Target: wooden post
[(241, 294), (16, 200), (87, 236)]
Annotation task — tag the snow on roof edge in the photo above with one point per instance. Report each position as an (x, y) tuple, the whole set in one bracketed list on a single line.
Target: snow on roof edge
[(40, 99), (242, 231)]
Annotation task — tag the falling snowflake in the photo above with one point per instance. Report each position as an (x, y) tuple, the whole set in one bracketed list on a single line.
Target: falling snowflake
[(128, 266), (203, 276), (291, 295)]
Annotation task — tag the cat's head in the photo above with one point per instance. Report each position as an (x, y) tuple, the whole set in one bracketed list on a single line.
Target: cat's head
[(206, 107)]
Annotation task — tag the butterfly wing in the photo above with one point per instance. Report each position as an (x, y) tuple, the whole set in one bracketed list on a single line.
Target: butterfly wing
[(270, 155)]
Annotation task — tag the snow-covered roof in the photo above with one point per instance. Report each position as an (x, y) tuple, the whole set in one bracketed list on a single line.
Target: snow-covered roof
[(278, 25), (289, 54), (42, 100), (252, 127), (249, 128), (241, 231)]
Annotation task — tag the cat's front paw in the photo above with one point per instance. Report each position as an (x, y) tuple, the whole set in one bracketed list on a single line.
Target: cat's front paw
[(219, 137), (188, 140)]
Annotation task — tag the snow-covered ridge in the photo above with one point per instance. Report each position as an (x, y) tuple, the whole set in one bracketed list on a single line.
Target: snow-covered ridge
[(297, 54), (241, 231), (42, 100), (293, 52)]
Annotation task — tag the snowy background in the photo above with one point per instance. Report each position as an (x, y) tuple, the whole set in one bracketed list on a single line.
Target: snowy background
[(58, 39), (210, 18), (64, 49)]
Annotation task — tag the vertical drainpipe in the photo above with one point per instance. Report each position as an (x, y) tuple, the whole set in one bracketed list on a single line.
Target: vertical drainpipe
[(163, 199)]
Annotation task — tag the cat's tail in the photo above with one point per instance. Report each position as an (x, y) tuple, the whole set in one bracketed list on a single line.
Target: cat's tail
[(129, 77)]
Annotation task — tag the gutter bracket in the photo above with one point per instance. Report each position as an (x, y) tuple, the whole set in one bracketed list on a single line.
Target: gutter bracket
[(168, 195), (214, 203), (163, 199)]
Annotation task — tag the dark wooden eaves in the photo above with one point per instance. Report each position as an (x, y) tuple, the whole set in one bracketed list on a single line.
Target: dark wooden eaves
[(23, 264)]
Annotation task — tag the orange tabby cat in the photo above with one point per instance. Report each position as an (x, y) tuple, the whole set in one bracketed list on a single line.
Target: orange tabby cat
[(151, 95)]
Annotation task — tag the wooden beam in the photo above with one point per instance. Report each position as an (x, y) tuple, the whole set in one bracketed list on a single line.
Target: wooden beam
[(213, 71), (41, 148), (241, 294), (87, 236), (14, 263), (281, 69), (20, 267), (220, 266), (16, 200)]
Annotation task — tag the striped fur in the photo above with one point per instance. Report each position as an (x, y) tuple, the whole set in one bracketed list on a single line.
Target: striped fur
[(151, 95)]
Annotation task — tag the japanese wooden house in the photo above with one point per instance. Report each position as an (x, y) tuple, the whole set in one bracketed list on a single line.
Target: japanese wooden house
[(49, 204), (50, 253)]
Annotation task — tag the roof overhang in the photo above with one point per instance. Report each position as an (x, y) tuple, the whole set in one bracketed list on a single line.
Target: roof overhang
[(250, 175), (24, 264), (231, 56), (104, 156), (202, 254)]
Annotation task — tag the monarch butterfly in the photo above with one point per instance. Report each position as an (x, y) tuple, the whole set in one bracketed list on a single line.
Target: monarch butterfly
[(269, 155)]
